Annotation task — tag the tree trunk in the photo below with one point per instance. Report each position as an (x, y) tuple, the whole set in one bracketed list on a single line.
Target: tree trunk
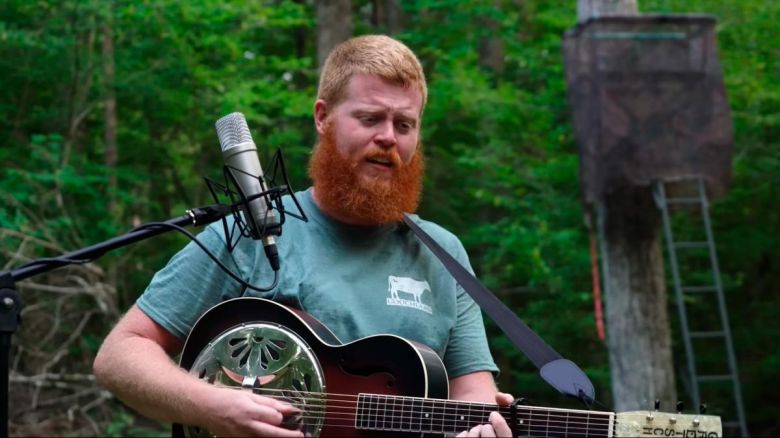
[(638, 335), (491, 48), (301, 35), (111, 154), (334, 25), (388, 16), (638, 332), (110, 119)]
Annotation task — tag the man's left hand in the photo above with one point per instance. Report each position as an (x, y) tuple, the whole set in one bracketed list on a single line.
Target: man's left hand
[(497, 427)]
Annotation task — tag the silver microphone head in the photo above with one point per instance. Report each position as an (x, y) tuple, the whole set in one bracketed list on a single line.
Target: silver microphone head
[(232, 131), (242, 162)]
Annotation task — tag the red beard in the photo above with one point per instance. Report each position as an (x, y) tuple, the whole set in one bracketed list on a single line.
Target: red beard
[(341, 190)]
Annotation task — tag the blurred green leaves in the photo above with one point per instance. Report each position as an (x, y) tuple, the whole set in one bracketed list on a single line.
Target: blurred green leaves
[(501, 158)]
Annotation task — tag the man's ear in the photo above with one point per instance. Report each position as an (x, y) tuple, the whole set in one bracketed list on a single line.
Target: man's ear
[(320, 115)]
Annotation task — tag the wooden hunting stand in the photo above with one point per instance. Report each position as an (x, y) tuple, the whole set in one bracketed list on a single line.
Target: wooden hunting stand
[(652, 120)]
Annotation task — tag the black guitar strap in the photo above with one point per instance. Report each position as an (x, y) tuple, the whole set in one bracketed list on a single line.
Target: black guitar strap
[(562, 374)]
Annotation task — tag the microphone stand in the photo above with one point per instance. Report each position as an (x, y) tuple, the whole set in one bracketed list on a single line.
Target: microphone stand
[(10, 302)]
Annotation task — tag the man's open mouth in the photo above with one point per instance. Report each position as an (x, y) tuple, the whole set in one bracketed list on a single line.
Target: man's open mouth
[(382, 161)]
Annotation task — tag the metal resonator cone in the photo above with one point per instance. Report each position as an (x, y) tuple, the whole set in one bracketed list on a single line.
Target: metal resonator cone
[(269, 360)]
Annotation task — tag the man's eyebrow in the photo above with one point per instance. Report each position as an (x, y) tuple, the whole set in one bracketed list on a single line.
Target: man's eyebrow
[(368, 111), (404, 115), (407, 118)]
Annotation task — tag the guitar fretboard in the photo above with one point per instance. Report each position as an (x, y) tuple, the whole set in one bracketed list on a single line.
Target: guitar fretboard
[(412, 414)]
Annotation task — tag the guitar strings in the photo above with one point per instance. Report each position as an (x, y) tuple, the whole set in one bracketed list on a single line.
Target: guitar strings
[(416, 424), (348, 407), (409, 423), (352, 399)]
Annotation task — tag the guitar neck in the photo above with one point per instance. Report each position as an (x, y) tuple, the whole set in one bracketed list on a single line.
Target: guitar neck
[(412, 414)]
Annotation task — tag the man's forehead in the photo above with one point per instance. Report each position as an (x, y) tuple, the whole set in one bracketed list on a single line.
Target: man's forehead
[(370, 90)]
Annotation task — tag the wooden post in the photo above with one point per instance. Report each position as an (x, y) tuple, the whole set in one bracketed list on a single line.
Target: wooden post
[(334, 26)]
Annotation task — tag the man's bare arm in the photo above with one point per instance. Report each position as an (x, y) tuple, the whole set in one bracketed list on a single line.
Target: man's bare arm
[(134, 363)]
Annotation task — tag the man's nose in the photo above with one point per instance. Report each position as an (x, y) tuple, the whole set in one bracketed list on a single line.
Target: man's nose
[(385, 136)]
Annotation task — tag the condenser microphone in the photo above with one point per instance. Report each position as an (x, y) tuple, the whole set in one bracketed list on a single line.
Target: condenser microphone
[(240, 155)]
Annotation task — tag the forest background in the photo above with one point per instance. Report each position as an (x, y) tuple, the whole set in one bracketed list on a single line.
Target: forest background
[(106, 122)]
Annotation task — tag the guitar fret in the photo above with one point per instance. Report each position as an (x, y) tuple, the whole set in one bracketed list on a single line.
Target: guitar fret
[(374, 411), (557, 429), (446, 416), (525, 420), (375, 404), (441, 410), (427, 419), (359, 412), (359, 418), (370, 412), (542, 423), (449, 418), (483, 412), (366, 420), (398, 413), (387, 417), (547, 425), (587, 424), (377, 412), (414, 412), (395, 421), (406, 412), (461, 418), (389, 412)]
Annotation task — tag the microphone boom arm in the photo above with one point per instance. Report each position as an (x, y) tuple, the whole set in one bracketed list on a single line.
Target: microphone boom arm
[(11, 304)]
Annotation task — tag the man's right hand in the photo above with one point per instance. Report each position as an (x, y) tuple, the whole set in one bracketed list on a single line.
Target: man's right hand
[(134, 363), (238, 412)]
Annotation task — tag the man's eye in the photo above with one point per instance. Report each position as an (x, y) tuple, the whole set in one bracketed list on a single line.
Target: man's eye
[(368, 119), (404, 126)]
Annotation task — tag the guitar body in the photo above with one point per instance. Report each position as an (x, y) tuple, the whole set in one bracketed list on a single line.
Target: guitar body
[(251, 343), (376, 385)]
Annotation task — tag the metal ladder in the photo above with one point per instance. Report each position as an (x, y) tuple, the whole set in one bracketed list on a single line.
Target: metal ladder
[(689, 293)]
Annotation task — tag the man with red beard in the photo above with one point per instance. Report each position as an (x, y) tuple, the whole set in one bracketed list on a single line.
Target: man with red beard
[(352, 266)]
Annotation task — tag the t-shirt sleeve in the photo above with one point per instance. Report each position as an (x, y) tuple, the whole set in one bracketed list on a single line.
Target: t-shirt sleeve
[(190, 284), (467, 350)]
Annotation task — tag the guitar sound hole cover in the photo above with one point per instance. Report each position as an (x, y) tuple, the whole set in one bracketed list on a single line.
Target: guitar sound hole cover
[(270, 360)]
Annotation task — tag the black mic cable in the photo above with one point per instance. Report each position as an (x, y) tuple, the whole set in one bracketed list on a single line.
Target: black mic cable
[(213, 257)]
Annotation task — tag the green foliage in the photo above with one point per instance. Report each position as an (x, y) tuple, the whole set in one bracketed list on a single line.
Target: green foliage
[(126, 424), (501, 156)]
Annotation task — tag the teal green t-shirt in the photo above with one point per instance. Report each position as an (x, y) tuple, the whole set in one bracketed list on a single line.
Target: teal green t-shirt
[(358, 281)]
